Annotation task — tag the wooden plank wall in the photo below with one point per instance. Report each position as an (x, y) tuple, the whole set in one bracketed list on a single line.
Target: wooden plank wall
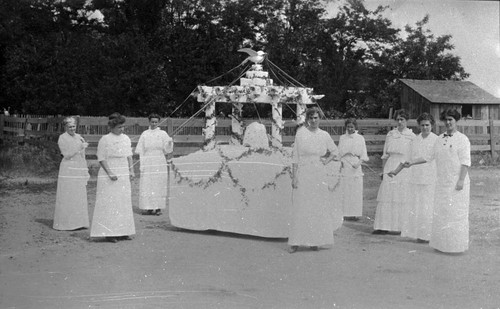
[(187, 133)]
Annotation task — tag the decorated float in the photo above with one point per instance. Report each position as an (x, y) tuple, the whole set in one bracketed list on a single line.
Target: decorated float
[(244, 187)]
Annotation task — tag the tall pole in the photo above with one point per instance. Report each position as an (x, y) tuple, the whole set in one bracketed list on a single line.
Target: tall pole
[(236, 124), (210, 122), (277, 125)]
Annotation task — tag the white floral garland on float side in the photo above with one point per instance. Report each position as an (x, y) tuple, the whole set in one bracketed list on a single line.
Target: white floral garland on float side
[(225, 169)]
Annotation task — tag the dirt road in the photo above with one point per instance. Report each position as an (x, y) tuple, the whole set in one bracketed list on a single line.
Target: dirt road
[(164, 267)]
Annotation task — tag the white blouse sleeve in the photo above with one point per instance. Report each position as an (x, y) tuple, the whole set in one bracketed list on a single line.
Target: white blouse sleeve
[(127, 151), (388, 138), (168, 143), (364, 152), (330, 145), (139, 149), (67, 146), (102, 154), (464, 151)]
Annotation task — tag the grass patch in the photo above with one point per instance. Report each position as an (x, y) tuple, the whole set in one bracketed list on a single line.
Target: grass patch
[(40, 160)]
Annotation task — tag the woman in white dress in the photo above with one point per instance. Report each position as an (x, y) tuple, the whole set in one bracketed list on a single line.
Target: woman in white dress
[(71, 211), (392, 192), (352, 152), (311, 221), (418, 222), (450, 221), (113, 216), (153, 147)]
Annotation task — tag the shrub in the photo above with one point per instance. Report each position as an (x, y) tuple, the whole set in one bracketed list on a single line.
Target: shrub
[(29, 160)]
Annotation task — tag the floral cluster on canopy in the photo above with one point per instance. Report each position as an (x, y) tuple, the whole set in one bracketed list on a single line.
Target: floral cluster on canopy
[(257, 94)]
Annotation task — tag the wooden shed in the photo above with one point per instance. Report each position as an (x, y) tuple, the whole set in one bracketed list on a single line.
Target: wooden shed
[(434, 96)]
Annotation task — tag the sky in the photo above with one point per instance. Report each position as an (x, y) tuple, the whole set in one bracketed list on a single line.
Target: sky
[(473, 25)]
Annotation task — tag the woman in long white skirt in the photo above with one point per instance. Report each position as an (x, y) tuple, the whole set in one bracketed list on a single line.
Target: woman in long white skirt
[(352, 152), (153, 147), (113, 216), (393, 191), (417, 223), (450, 223), (71, 211), (311, 223)]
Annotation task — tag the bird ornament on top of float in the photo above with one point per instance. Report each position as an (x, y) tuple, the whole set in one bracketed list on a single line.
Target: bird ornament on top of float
[(256, 87)]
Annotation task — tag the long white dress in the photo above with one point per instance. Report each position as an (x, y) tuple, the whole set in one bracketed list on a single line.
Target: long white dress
[(71, 211), (311, 222), (450, 223), (352, 151), (152, 147), (392, 192), (418, 222), (113, 215)]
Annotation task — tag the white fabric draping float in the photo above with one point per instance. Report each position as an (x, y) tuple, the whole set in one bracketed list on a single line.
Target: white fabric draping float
[(234, 189)]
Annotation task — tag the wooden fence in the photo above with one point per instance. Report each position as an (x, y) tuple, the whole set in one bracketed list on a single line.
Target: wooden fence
[(187, 133)]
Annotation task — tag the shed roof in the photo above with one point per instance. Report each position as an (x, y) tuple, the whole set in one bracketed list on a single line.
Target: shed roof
[(451, 92)]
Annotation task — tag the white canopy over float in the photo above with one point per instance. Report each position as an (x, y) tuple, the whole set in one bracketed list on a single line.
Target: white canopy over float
[(255, 88), (244, 187)]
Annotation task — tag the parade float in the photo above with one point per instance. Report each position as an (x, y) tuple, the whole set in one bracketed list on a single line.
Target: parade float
[(243, 187)]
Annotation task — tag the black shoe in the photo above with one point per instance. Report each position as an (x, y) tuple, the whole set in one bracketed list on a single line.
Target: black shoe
[(351, 218), (293, 249), (380, 232)]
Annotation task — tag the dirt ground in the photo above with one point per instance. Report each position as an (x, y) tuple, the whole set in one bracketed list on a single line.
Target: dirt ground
[(166, 267)]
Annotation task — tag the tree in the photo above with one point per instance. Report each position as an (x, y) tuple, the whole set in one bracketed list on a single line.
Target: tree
[(64, 63), (348, 48), (149, 55), (423, 56), (420, 55)]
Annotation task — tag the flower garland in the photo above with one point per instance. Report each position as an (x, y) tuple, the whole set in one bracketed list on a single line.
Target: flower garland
[(257, 94), (236, 184), (200, 183), (284, 171), (224, 168)]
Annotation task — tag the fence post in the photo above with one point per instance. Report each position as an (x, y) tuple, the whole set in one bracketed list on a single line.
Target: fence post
[(2, 119), (493, 141), (24, 126), (170, 126)]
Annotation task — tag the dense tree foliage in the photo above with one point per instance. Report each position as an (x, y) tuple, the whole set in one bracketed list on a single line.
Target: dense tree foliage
[(149, 55)]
